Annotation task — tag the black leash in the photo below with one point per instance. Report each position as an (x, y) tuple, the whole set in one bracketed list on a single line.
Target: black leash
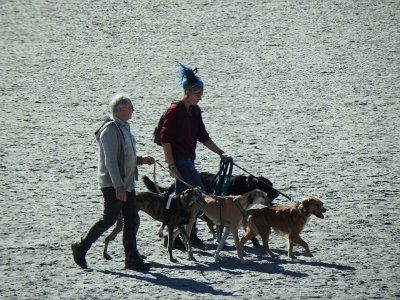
[(288, 197), (220, 183)]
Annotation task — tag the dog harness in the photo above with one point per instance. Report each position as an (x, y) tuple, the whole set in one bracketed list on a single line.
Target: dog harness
[(242, 211), (219, 205)]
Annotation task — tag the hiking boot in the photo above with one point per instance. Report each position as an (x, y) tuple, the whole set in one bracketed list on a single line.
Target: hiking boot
[(79, 255), (178, 244), (137, 264), (196, 242), (256, 243)]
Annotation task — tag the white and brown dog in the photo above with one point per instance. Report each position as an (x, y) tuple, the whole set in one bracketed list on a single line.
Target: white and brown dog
[(285, 220)]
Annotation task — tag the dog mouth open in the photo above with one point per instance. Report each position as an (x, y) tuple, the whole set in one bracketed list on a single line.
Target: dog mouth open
[(320, 213)]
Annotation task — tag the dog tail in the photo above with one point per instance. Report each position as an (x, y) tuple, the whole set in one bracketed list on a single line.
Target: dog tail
[(151, 186)]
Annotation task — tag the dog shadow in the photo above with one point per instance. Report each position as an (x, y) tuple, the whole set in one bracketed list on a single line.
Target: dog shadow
[(322, 264), (181, 284), (283, 259), (233, 266), (267, 266)]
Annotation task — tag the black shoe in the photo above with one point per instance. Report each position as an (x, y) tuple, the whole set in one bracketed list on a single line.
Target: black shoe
[(79, 256), (195, 241), (255, 242), (137, 265), (178, 244)]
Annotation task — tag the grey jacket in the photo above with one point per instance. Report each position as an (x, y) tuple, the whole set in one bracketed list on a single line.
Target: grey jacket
[(117, 156)]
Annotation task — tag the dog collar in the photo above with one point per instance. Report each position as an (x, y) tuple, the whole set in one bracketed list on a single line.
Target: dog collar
[(170, 200)]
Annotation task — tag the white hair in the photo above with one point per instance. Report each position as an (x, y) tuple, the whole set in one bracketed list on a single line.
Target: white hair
[(119, 101)]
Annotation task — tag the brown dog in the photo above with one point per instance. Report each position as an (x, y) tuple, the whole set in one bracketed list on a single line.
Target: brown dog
[(238, 185), (286, 220), (180, 212), (231, 212)]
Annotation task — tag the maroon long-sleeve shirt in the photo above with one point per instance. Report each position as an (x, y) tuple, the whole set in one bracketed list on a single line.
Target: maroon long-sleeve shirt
[(182, 129)]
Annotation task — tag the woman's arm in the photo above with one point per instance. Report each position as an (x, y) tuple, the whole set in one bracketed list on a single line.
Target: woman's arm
[(169, 158), (214, 148)]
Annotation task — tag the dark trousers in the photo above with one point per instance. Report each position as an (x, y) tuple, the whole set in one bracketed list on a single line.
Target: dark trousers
[(112, 209)]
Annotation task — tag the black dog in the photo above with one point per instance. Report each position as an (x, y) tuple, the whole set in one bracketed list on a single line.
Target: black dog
[(238, 185)]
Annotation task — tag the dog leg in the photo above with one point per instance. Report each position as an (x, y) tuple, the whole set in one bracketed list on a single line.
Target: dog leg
[(236, 239), (265, 240), (290, 248), (210, 226), (186, 240), (222, 242), (246, 237), (219, 232), (117, 229), (161, 231), (170, 243), (296, 239)]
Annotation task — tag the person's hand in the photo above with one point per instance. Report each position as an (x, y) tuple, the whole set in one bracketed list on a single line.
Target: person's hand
[(120, 193), (148, 160), (224, 158)]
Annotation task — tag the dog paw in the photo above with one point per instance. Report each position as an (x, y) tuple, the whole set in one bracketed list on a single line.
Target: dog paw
[(174, 260)]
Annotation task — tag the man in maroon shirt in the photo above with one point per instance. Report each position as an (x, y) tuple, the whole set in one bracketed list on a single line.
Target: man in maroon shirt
[(182, 127)]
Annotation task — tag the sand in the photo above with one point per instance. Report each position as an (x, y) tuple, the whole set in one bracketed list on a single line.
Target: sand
[(305, 93)]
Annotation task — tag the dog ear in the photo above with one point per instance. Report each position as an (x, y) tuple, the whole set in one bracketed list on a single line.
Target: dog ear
[(305, 203)]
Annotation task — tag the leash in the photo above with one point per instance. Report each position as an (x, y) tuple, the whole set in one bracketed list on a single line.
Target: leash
[(219, 186), (278, 191), (171, 196), (176, 177), (220, 183), (155, 181)]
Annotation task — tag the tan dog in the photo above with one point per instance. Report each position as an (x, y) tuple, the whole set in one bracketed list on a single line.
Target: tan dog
[(181, 212), (286, 220), (230, 212)]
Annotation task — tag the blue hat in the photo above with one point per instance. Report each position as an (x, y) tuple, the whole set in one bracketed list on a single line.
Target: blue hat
[(189, 78)]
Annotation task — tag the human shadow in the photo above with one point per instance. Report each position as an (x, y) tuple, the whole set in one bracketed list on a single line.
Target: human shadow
[(181, 284)]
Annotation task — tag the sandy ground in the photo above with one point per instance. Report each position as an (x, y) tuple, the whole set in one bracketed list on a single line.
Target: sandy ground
[(305, 93)]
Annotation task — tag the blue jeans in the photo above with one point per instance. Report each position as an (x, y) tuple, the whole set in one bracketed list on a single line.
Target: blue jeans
[(189, 174)]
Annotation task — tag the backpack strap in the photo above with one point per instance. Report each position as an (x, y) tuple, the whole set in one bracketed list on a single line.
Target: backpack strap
[(107, 121), (157, 129)]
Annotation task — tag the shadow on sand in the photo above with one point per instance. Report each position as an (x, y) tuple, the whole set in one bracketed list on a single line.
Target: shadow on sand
[(283, 259), (181, 284), (229, 264)]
